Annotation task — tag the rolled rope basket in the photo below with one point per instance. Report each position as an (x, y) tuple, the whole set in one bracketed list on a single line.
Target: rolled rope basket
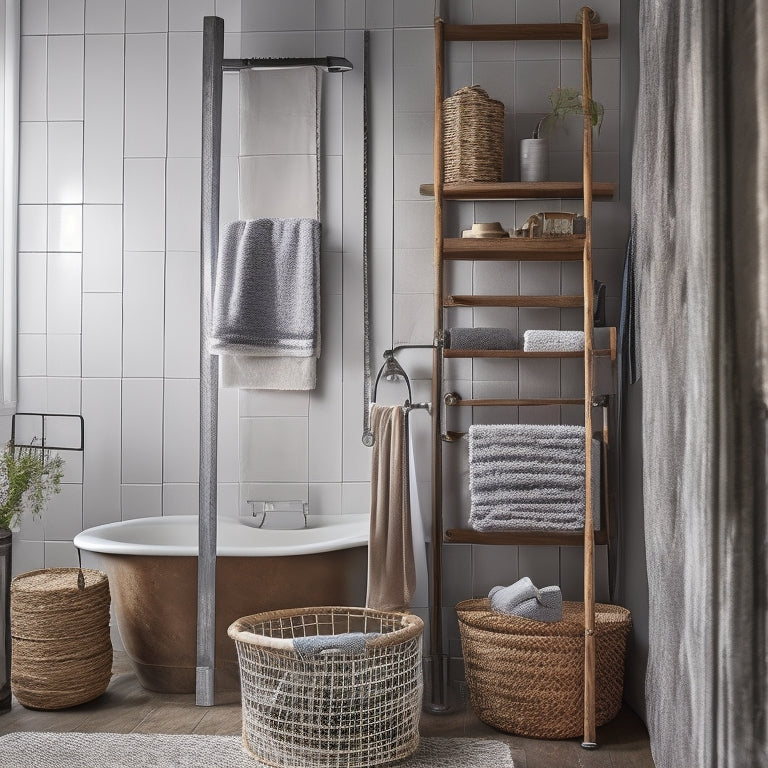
[(331, 709), (527, 677), (61, 648), (473, 136)]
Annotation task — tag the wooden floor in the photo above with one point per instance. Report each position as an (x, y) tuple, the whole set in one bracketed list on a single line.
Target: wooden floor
[(126, 707)]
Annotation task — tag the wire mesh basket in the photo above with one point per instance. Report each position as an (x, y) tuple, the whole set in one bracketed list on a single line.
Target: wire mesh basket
[(337, 707)]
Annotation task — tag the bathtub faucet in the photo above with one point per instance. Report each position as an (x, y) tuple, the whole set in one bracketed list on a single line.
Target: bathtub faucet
[(259, 510)]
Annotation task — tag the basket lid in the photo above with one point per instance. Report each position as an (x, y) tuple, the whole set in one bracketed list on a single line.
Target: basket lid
[(475, 92)]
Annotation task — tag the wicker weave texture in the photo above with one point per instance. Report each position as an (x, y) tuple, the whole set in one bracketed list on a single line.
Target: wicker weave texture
[(527, 677), (473, 136), (331, 709), (62, 651)]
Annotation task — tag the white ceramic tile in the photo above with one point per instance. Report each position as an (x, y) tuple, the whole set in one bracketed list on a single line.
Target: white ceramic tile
[(184, 88), (103, 131), (32, 228), (228, 468), (228, 203), (180, 499), (33, 152), (414, 89), (256, 402), (231, 12), (102, 335), (534, 81), (182, 212), (102, 248), (141, 501), (64, 292), (286, 15), (325, 406), (413, 224), (27, 556), (34, 17), (65, 228), (60, 554), (32, 293), (33, 90), (412, 318), (278, 44), (273, 450), (65, 162), (330, 273), (271, 492), (31, 354), (331, 130), (410, 172), (66, 17), (232, 45), (101, 468), (228, 499), (63, 355), (142, 431), (63, 516), (104, 16), (187, 15), (413, 134), (146, 15), (354, 14), (65, 77), (414, 13), (63, 395), (230, 112), (329, 14), (144, 207), (143, 313), (32, 394), (325, 498), (414, 47), (331, 203), (181, 431), (145, 95), (182, 315)]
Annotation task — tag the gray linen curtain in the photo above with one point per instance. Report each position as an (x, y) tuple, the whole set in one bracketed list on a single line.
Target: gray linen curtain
[(700, 250)]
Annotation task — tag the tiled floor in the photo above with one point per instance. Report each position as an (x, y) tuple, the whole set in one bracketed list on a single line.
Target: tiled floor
[(127, 707)]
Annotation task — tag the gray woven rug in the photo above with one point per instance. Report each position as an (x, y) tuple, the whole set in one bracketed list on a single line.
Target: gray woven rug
[(140, 750)]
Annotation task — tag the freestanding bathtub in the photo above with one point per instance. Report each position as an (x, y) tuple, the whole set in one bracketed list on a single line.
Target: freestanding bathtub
[(152, 568)]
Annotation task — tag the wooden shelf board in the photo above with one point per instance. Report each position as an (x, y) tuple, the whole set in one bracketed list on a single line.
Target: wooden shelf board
[(544, 538), (499, 32), (513, 301), (519, 190), (518, 353), (569, 248), (518, 402)]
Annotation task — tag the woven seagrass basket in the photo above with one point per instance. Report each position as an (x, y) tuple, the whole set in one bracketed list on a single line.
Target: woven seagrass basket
[(346, 710), (527, 677), (61, 648), (473, 136)]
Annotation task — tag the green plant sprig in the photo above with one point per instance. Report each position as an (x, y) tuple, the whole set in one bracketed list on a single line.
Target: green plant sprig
[(29, 477), (568, 101)]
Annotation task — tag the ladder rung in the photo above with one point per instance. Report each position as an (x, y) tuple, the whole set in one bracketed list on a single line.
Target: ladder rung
[(514, 301), (517, 401)]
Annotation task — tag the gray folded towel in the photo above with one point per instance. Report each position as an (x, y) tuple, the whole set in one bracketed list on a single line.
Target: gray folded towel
[(524, 599), (267, 293), (563, 341), (480, 338), (344, 643)]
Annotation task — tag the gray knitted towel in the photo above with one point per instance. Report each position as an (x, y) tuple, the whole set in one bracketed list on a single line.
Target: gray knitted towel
[(267, 293), (524, 599), (504, 599), (480, 338), (345, 643), (529, 477), (563, 341)]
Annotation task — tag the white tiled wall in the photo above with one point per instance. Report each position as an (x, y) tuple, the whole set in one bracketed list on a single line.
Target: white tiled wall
[(109, 244)]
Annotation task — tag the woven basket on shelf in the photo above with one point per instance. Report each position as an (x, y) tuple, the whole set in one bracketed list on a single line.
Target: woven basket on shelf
[(330, 709), (473, 136), (527, 677), (62, 651)]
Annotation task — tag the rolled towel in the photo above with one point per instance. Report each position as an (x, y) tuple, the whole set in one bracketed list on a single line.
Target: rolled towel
[(480, 338), (563, 341), (346, 643), (544, 604)]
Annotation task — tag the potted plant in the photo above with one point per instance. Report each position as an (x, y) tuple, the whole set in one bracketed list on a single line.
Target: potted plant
[(534, 152), (29, 476)]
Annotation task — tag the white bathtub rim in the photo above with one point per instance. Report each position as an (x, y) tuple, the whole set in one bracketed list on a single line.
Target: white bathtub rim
[(234, 538)]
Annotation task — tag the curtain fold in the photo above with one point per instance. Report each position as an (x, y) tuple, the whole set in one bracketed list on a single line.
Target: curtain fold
[(700, 209)]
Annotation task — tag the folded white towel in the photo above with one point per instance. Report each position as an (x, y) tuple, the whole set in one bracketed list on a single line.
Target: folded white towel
[(563, 341)]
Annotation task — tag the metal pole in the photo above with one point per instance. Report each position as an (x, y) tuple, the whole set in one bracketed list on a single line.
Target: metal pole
[(213, 54)]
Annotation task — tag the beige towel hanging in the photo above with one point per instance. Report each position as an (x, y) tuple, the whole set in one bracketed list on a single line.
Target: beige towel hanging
[(391, 569)]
